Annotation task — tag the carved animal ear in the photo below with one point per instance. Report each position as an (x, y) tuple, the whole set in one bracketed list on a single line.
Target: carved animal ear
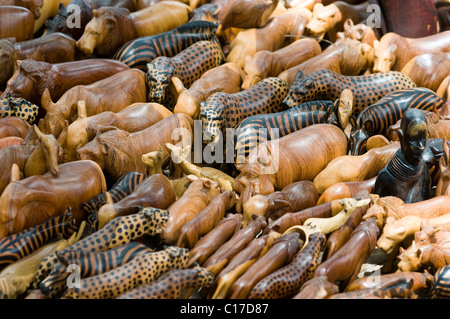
[(111, 23), (309, 83), (15, 173), (81, 109), (317, 8), (62, 136), (376, 44), (46, 101), (38, 132), (299, 75), (95, 13), (376, 141), (348, 24), (108, 199), (177, 85), (63, 260)]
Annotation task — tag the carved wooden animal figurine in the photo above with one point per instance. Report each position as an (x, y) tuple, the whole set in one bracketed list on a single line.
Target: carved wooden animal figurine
[(187, 66), (181, 158), (398, 290), (430, 256), (443, 185), (142, 269), (110, 27), (34, 6), (346, 263), (206, 220), (298, 156), (138, 52), (348, 57), (287, 281), (271, 37), (130, 5), (48, 10), (393, 207), (155, 191), (52, 48), (219, 259), (16, 22), (13, 126), (406, 176), (31, 77), (317, 288), (326, 20), (432, 67), (350, 168), (31, 201), (440, 287), (25, 242), (225, 78), (421, 281), (292, 198), (377, 118), (396, 231), (112, 94), (433, 235), (162, 287), (266, 63), (279, 255), (135, 117), (222, 110), (394, 51), (194, 200), (120, 231), (328, 85), (360, 31), (214, 239), (247, 14), (119, 152), (346, 190)]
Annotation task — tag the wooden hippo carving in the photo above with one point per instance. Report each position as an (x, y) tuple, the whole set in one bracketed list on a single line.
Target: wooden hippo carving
[(394, 51), (133, 118), (266, 63), (298, 156), (30, 201), (111, 27), (346, 263), (52, 48), (113, 93), (246, 14), (156, 191), (140, 51), (31, 78), (16, 22), (271, 37), (225, 78), (430, 256), (347, 57), (328, 85), (61, 22), (33, 5), (188, 66), (119, 152), (223, 110)]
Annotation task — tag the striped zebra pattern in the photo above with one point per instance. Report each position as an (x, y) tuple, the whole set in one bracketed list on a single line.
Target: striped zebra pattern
[(138, 52), (256, 129), (441, 287), (89, 263), (121, 189), (23, 243), (377, 118)]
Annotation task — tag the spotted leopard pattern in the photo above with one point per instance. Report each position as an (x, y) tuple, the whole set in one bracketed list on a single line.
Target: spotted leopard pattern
[(328, 85), (188, 65), (89, 263), (121, 230), (143, 269), (287, 281), (172, 284), (224, 110), (19, 107)]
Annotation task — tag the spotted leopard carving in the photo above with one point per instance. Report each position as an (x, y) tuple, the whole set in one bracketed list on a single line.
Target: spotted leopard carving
[(223, 110), (188, 66), (287, 281), (19, 107), (143, 269), (328, 85), (172, 284)]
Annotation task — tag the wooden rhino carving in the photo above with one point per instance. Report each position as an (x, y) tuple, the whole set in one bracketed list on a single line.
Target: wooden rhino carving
[(112, 94), (110, 27), (119, 152), (30, 201), (31, 78)]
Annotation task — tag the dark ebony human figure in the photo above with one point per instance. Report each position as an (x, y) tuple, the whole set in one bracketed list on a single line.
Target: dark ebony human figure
[(406, 176)]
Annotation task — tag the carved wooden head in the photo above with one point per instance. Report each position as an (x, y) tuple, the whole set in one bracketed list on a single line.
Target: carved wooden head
[(323, 20), (385, 55)]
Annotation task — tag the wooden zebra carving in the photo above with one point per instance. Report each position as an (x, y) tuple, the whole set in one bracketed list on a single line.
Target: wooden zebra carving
[(377, 118), (138, 52), (441, 287)]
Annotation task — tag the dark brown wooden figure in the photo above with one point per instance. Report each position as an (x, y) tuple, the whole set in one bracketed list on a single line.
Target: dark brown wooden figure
[(31, 77), (248, 14), (406, 176), (346, 263), (317, 288), (33, 5), (16, 22), (52, 48)]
